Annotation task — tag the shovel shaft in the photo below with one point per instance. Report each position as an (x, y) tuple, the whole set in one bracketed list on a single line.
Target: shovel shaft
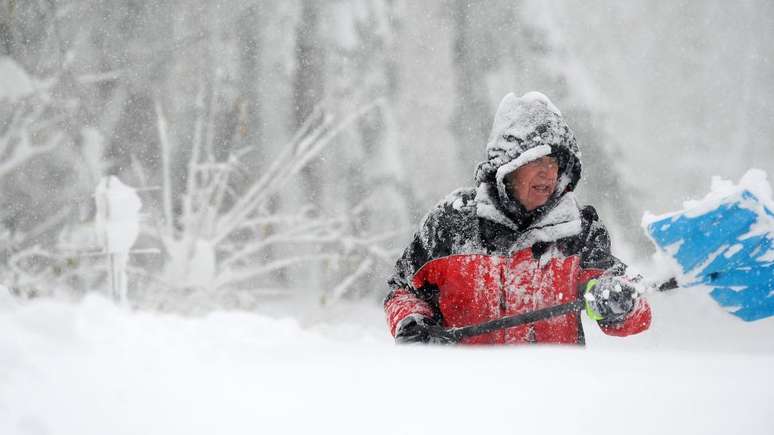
[(519, 319)]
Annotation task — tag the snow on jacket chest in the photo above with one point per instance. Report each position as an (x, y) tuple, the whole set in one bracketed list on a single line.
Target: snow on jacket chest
[(476, 288)]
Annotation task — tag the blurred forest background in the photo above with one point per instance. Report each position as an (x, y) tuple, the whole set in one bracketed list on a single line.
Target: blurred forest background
[(291, 147)]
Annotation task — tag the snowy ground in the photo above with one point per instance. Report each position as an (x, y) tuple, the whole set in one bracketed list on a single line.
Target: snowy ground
[(91, 368)]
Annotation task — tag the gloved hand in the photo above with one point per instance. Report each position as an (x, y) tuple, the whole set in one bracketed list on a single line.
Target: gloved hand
[(609, 300), (420, 329)]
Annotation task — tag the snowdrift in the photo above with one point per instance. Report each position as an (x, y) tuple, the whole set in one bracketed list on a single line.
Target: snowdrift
[(92, 368)]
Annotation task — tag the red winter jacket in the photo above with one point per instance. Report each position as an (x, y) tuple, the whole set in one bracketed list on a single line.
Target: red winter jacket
[(457, 273)]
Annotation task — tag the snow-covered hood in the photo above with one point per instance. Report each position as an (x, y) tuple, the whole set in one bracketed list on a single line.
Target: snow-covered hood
[(527, 128)]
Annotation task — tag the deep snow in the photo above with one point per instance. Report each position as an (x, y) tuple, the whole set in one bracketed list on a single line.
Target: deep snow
[(93, 368)]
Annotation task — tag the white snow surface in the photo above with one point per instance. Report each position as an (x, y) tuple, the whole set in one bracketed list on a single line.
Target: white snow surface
[(518, 116), (538, 96), (92, 368)]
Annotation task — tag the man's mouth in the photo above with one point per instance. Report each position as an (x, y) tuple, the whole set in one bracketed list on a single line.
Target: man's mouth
[(542, 188)]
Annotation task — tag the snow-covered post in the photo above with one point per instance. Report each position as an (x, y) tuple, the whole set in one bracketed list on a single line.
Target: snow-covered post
[(118, 225)]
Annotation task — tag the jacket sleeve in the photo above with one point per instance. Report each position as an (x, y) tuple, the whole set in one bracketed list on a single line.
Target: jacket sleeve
[(404, 300), (597, 260)]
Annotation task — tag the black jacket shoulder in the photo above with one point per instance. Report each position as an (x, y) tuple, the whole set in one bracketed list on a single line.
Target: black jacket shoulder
[(593, 244)]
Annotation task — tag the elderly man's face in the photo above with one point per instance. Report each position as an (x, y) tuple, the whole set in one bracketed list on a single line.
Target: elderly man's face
[(534, 183)]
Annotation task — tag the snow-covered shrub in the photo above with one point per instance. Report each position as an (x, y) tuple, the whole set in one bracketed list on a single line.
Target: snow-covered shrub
[(222, 237), (40, 180)]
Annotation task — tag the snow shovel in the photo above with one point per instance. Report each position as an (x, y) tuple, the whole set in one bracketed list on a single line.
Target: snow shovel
[(725, 242)]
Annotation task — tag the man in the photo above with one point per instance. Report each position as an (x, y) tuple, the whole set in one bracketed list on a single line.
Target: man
[(515, 243)]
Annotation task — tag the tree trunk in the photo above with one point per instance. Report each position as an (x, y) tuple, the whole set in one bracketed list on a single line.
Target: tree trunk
[(249, 103), (472, 118), (7, 15), (308, 86)]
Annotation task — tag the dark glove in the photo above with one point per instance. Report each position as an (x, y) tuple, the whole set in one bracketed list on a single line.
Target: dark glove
[(420, 329), (609, 299)]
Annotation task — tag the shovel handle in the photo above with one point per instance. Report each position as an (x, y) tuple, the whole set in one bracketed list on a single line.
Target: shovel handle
[(516, 320)]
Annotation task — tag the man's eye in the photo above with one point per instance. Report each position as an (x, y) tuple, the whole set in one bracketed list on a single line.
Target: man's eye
[(511, 138)]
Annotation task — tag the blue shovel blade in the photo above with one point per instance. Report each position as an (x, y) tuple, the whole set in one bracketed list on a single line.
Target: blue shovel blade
[(746, 293), (725, 249)]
